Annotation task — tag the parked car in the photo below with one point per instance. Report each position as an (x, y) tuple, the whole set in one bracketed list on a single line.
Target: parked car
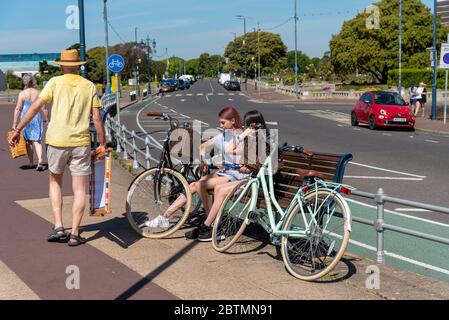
[(233, 85), (382, 109), (166, 86), (186, 84)]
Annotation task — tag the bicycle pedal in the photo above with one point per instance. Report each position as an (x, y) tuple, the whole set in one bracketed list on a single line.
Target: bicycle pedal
[(252, 215)]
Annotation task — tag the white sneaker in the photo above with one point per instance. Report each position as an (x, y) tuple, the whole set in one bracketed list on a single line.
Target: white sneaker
[(158, 222)]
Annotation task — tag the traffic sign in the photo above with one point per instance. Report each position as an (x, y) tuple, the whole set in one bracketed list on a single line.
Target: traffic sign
[(116, 63), (444, 56), (295, 69)]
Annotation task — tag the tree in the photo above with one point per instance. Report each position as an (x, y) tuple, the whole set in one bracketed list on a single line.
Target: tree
[(13, 81), (375, 51), (303, 61), (192, 66), (273, 53)]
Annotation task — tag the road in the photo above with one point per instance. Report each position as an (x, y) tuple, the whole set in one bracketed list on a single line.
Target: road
[(408, 165)]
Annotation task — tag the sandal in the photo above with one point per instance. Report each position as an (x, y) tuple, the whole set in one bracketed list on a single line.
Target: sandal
[(57, 235), (28, 166), (40, 167), (75, 240)]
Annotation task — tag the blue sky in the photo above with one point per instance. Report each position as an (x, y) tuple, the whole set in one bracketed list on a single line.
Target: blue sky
[(186, 27)]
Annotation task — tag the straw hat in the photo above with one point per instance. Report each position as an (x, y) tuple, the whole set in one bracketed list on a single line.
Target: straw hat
[(70, 58)]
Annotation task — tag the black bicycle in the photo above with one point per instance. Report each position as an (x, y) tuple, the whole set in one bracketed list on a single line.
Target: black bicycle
[(153, 191)]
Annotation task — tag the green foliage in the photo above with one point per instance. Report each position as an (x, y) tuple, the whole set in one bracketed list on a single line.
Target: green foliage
[(192, 66), (210, 66), (273, 53), (415, 76), (290, 80), (375, 51), (13, 81)]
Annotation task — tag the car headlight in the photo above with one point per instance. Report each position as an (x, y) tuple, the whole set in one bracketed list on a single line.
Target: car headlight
[(383, 112)]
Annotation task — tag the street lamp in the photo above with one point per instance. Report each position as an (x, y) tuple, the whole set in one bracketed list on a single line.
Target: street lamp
[(240, 17), (105, 16), (146, 43), (433, 114), (82, 37)]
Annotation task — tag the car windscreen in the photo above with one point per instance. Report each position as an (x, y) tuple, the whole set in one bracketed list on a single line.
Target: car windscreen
[(389, 98)]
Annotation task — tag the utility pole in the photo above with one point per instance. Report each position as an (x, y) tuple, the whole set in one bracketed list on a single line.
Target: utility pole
[(296, 52), (244, 46), (82, 38), (258, 53), (433, 114), (137, 67), (105, 16), (400, 49)]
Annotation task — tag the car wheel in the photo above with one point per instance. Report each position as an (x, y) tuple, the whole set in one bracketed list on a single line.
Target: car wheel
[(354, 121), (372, 122)]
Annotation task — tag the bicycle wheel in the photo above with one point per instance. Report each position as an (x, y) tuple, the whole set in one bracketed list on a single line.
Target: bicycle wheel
[(317, 252), (232, 219), (150, 195)]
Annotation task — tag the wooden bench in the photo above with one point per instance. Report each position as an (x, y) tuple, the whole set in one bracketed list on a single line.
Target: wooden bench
[(330, 167)]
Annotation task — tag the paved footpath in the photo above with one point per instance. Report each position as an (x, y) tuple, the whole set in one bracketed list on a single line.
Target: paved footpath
[(117, 264)]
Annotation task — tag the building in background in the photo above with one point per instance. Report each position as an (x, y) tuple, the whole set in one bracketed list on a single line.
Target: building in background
[(21, 64), (443, 11), (2, 81)]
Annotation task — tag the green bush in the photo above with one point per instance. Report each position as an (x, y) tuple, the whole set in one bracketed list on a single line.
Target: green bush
[(290, 80), (13, 81), (415, 76)]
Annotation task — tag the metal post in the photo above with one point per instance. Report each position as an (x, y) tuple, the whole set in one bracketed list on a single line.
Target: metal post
[(108, 76), (118, 137), (296, 51), (400, 49), (147, 152), (82, 38), (434, 82), (135, 70), (135, 162), (246, 72), (379, 225), (258, 54), (125, 145), (445, 91), (117, 93)]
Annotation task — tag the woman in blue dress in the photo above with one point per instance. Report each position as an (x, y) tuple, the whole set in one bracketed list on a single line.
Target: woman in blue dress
[(33, 132)]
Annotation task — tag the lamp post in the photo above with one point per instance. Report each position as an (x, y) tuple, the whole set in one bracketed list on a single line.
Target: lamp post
[(82, 38), (136, 70), (400, 49), (434, 82), (296, 52), (146, 43), (105, 16), (240, 17)]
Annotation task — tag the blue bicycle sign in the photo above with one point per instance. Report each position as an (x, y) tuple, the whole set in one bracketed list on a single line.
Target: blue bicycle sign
[(116, 63)]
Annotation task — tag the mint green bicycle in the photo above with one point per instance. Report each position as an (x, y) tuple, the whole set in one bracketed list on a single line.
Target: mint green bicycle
[(313, 230)]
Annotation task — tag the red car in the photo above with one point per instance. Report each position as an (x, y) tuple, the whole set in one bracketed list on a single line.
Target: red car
[(382, 109)]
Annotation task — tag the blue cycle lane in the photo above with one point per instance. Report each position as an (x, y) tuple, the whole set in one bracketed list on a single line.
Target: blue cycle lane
[(421, 256)]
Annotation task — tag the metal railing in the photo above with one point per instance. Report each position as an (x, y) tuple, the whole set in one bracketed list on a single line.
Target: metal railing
[(127, 147), (128, 144), (380, 226)]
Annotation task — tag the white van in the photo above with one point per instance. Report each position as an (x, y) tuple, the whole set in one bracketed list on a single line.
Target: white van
[(224, 77)]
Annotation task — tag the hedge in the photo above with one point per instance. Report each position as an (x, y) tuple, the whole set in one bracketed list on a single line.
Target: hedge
[(415, 76)]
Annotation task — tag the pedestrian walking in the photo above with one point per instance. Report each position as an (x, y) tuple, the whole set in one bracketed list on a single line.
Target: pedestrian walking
[(34, 130), (421, 98), (412, 96), (73, 99)]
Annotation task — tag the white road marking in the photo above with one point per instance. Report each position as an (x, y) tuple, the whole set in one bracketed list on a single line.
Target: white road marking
[(401, 214), (340, 125), (231, 94), (211, 87), (143, 130), (411, 210), (174, 111), (387, 134), (207, 98), (386, 170), (187, 117), (206, 124), (432, 141), (230, 99), (272, 123), (221, 94), (179, 95), (168, 95), (189, 94), (357, 129), (384, 178), (182, 100), (200, 94)]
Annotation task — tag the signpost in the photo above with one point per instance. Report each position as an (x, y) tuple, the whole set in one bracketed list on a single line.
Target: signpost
[(444, 63), (116, 63)]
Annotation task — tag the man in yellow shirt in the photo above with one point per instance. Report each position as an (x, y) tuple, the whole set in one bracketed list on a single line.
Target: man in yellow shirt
[(73, 99)]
